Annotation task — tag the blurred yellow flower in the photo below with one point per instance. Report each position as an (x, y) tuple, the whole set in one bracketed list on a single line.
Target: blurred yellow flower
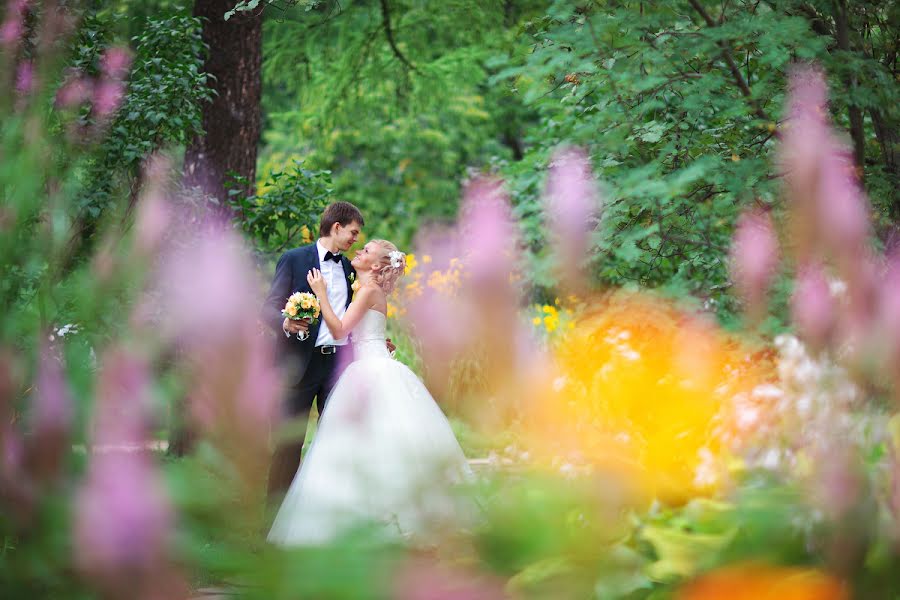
[(305, 304), (291, 310), (426, 259), (551, 317), (764, 582), (445, 282), (410, 263), (412, 289), (640, 389)]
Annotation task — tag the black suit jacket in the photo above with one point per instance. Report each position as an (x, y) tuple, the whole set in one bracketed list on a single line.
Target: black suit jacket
[(290, 277)]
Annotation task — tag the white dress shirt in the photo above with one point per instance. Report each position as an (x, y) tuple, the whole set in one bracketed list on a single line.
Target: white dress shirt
[(333, 274)]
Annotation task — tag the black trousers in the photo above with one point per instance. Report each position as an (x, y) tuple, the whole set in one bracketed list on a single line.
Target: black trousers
[(321, 374)]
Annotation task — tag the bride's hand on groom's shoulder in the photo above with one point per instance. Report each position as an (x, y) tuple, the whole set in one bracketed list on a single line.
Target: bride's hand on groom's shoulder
[(316, 282)]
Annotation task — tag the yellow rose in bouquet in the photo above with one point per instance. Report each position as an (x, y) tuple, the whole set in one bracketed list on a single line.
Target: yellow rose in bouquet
[(302, 305)]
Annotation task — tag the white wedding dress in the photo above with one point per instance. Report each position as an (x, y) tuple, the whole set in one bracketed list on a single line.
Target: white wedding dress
[(383, 454)]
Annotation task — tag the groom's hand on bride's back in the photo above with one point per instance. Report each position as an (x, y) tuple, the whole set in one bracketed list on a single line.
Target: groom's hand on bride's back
[(390, 345)]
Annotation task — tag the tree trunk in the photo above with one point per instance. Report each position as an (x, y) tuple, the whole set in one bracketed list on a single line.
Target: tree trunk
[(886, 134), (232, 120), (857, 131), (231, 123)]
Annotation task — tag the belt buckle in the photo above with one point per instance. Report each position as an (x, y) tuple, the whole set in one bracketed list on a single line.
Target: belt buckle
[(327, 349)]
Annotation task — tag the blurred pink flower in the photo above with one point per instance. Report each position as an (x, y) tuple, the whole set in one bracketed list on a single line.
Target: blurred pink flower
[(74, 92), (754, 257), (51, 418), (13, 27), (257, 397), (487, 232), (154, 213), (421, 580), (838, 485), (108, 97), (122, 515), (25, 77), (123, 399), (808, 93), (431, 313), (210, 307), (843, 214), (888, 318), (11, 31), (806, 130), (812, 306), (11, 451), (804, 143), (115, 63), (209, 282), (571, 203)]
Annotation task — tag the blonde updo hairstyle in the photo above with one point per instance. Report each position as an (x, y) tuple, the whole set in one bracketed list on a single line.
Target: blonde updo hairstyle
[(389, 268)]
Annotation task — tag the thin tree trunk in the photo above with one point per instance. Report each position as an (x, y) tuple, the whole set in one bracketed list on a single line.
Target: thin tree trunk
[(887, 137), (857, 131), (232, 120)]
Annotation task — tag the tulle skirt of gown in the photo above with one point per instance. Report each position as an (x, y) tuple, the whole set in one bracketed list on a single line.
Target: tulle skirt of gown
[(383, 454)]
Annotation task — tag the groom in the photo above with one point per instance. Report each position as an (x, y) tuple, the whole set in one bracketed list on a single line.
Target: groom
[(311, 365)]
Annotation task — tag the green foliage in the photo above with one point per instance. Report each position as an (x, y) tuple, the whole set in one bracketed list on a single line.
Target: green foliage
[(398, 139), (681, 140), (162, 108), (287, 208)]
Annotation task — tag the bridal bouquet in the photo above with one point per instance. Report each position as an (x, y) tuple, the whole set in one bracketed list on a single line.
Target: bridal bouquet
[(302, 305)]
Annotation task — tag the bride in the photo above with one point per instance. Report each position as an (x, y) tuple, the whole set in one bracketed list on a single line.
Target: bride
[(384, 453)]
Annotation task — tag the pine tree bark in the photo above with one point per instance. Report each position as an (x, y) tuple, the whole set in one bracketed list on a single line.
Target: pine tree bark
[(232, 121)]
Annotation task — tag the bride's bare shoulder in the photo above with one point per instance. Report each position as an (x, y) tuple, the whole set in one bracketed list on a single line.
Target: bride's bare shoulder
[(370, 292), (375, 296)]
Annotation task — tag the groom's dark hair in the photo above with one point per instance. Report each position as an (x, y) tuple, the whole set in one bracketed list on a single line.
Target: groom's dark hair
[(339, 212)]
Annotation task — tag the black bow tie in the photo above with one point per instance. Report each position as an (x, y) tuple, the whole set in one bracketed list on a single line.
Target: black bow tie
[(335, 257)]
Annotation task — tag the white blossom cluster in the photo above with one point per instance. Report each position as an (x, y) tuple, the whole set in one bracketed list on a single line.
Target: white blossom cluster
[(814, 410), (62, 332)]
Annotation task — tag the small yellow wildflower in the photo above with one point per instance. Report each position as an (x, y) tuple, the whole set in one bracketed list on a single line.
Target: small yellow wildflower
[(410, 263), (550, 323), (413, 289)]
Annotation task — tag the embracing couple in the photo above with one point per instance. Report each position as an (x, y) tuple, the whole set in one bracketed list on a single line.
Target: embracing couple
[(384, 453)]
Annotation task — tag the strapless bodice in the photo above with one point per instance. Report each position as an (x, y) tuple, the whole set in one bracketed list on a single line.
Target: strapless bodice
[(368, 336)]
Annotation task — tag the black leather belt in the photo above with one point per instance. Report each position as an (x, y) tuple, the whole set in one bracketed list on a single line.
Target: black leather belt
[(326, 349)]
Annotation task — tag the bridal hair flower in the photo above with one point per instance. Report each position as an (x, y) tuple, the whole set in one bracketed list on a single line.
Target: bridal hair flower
[(396, 259)]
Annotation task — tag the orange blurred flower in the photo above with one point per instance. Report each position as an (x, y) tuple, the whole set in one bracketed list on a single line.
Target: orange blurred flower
[(643, 389), (764, 582)]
